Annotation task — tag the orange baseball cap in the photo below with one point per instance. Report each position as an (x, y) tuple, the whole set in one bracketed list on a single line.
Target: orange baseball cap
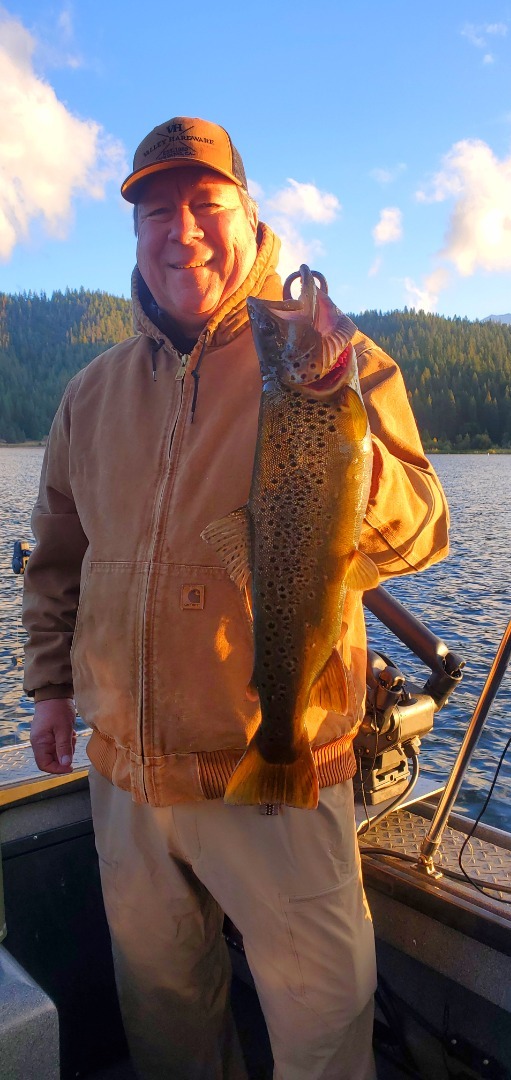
[(184, 140)]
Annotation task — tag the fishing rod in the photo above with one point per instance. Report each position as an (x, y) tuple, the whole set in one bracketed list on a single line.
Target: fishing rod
[(431, 842), (446, 666)]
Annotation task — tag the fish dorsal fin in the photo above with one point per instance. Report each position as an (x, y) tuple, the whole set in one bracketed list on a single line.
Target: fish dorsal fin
[(230, 538), (362, 573), (330, 691), (354, 404)]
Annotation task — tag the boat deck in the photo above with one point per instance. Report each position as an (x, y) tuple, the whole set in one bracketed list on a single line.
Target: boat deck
[(20, 778), (445, 932)]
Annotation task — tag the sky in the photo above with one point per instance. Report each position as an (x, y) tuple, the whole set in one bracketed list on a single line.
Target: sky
[(376, 135)]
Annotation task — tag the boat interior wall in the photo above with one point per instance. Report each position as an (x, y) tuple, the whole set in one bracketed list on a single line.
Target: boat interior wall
[(445, 1029), (56, 926), (29, 1027), (444, 955)]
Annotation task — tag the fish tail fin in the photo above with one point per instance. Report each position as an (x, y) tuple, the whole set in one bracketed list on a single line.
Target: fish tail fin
[(256, 781)]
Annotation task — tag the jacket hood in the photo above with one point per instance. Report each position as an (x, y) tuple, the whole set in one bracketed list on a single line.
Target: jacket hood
[(232, 315)]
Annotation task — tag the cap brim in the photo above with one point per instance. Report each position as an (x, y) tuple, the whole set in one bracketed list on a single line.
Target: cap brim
[(132, 182)]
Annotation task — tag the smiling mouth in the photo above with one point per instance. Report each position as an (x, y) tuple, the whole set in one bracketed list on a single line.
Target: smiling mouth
[(187, 266)]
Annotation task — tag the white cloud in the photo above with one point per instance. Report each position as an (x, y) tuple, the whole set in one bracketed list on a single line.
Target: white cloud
[(478, 36), (386, 176), (47, 155), (65, 23), (425, 297), (305, 202), (254, 189), (54, 42), (389, 228), (479, 230), (497, 28), (473, 34), (289, 210), (375, 267), (295, 249)]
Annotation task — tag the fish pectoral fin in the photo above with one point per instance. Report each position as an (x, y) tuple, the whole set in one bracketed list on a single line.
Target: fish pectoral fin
[(330, 691), (353, 404), (252, 691), (256, 781), (362, 573), (230, 538)]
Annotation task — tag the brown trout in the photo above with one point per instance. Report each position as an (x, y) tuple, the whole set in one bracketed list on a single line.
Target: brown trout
[(297, 538)]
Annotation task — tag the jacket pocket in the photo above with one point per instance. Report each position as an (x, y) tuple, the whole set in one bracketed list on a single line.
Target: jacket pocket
[(200, 662), (332, 945), (106, 653)]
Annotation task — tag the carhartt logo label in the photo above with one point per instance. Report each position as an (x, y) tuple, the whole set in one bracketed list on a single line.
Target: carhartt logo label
[(192, 597)]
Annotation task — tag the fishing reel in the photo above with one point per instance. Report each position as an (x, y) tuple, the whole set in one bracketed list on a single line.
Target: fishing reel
[(398, 712), (20, 556)]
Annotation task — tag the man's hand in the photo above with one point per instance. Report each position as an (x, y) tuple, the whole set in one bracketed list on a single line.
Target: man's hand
[(52, 735)]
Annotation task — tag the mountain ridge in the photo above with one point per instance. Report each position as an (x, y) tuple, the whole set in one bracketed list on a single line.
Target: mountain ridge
[(457, 372)]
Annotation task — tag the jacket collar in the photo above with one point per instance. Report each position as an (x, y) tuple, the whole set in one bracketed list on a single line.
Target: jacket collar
[(232, 315)]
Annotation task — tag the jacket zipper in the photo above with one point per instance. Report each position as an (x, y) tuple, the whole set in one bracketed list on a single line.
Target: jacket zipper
[(179, 376), (180, 373)]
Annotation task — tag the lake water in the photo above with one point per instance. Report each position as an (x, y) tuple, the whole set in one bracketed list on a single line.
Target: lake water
[(465, 600)]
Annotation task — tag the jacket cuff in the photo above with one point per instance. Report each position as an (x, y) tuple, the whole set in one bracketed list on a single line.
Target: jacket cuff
[(46, 693)]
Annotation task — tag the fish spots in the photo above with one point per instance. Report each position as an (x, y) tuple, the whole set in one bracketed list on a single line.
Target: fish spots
[(294, 507)]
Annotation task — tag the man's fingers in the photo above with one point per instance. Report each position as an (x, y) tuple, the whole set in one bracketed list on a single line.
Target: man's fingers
[(49, 755), (65, 754), (52, 735)]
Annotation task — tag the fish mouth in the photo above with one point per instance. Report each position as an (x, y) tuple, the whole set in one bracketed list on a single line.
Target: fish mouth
[(334, 378)]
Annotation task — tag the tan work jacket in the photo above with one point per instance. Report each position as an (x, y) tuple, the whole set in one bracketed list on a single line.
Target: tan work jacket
[(124, 601)]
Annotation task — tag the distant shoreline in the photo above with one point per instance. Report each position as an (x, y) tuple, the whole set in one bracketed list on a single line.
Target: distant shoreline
[(35, 444), (30, 444)]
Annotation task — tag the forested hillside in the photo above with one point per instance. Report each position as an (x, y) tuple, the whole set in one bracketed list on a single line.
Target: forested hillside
[(458, 373), (43, 342)]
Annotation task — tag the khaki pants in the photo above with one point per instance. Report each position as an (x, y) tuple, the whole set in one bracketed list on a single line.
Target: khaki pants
[(291, 883)]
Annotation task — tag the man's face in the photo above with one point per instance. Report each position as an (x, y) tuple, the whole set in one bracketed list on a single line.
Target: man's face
[(196, 244)]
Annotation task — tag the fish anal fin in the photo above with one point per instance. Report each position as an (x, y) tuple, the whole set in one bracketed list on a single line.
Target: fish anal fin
[(362, 573), (230, 538), (330, 691), (256, 781), (353, 402)]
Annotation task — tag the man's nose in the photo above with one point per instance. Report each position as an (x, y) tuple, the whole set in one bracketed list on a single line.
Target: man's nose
[(184, 226)]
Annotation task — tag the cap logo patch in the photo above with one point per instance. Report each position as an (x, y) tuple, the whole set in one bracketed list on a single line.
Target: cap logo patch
[(175, 142), (176, 151)]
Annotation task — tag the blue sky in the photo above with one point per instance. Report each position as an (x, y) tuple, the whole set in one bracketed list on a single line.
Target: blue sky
[(376, 135)]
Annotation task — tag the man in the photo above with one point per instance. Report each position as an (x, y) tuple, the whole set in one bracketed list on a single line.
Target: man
[(128, 609)]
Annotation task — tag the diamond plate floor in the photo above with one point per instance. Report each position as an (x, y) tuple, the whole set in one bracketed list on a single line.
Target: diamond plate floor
[(404, 831), (17, 765)]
